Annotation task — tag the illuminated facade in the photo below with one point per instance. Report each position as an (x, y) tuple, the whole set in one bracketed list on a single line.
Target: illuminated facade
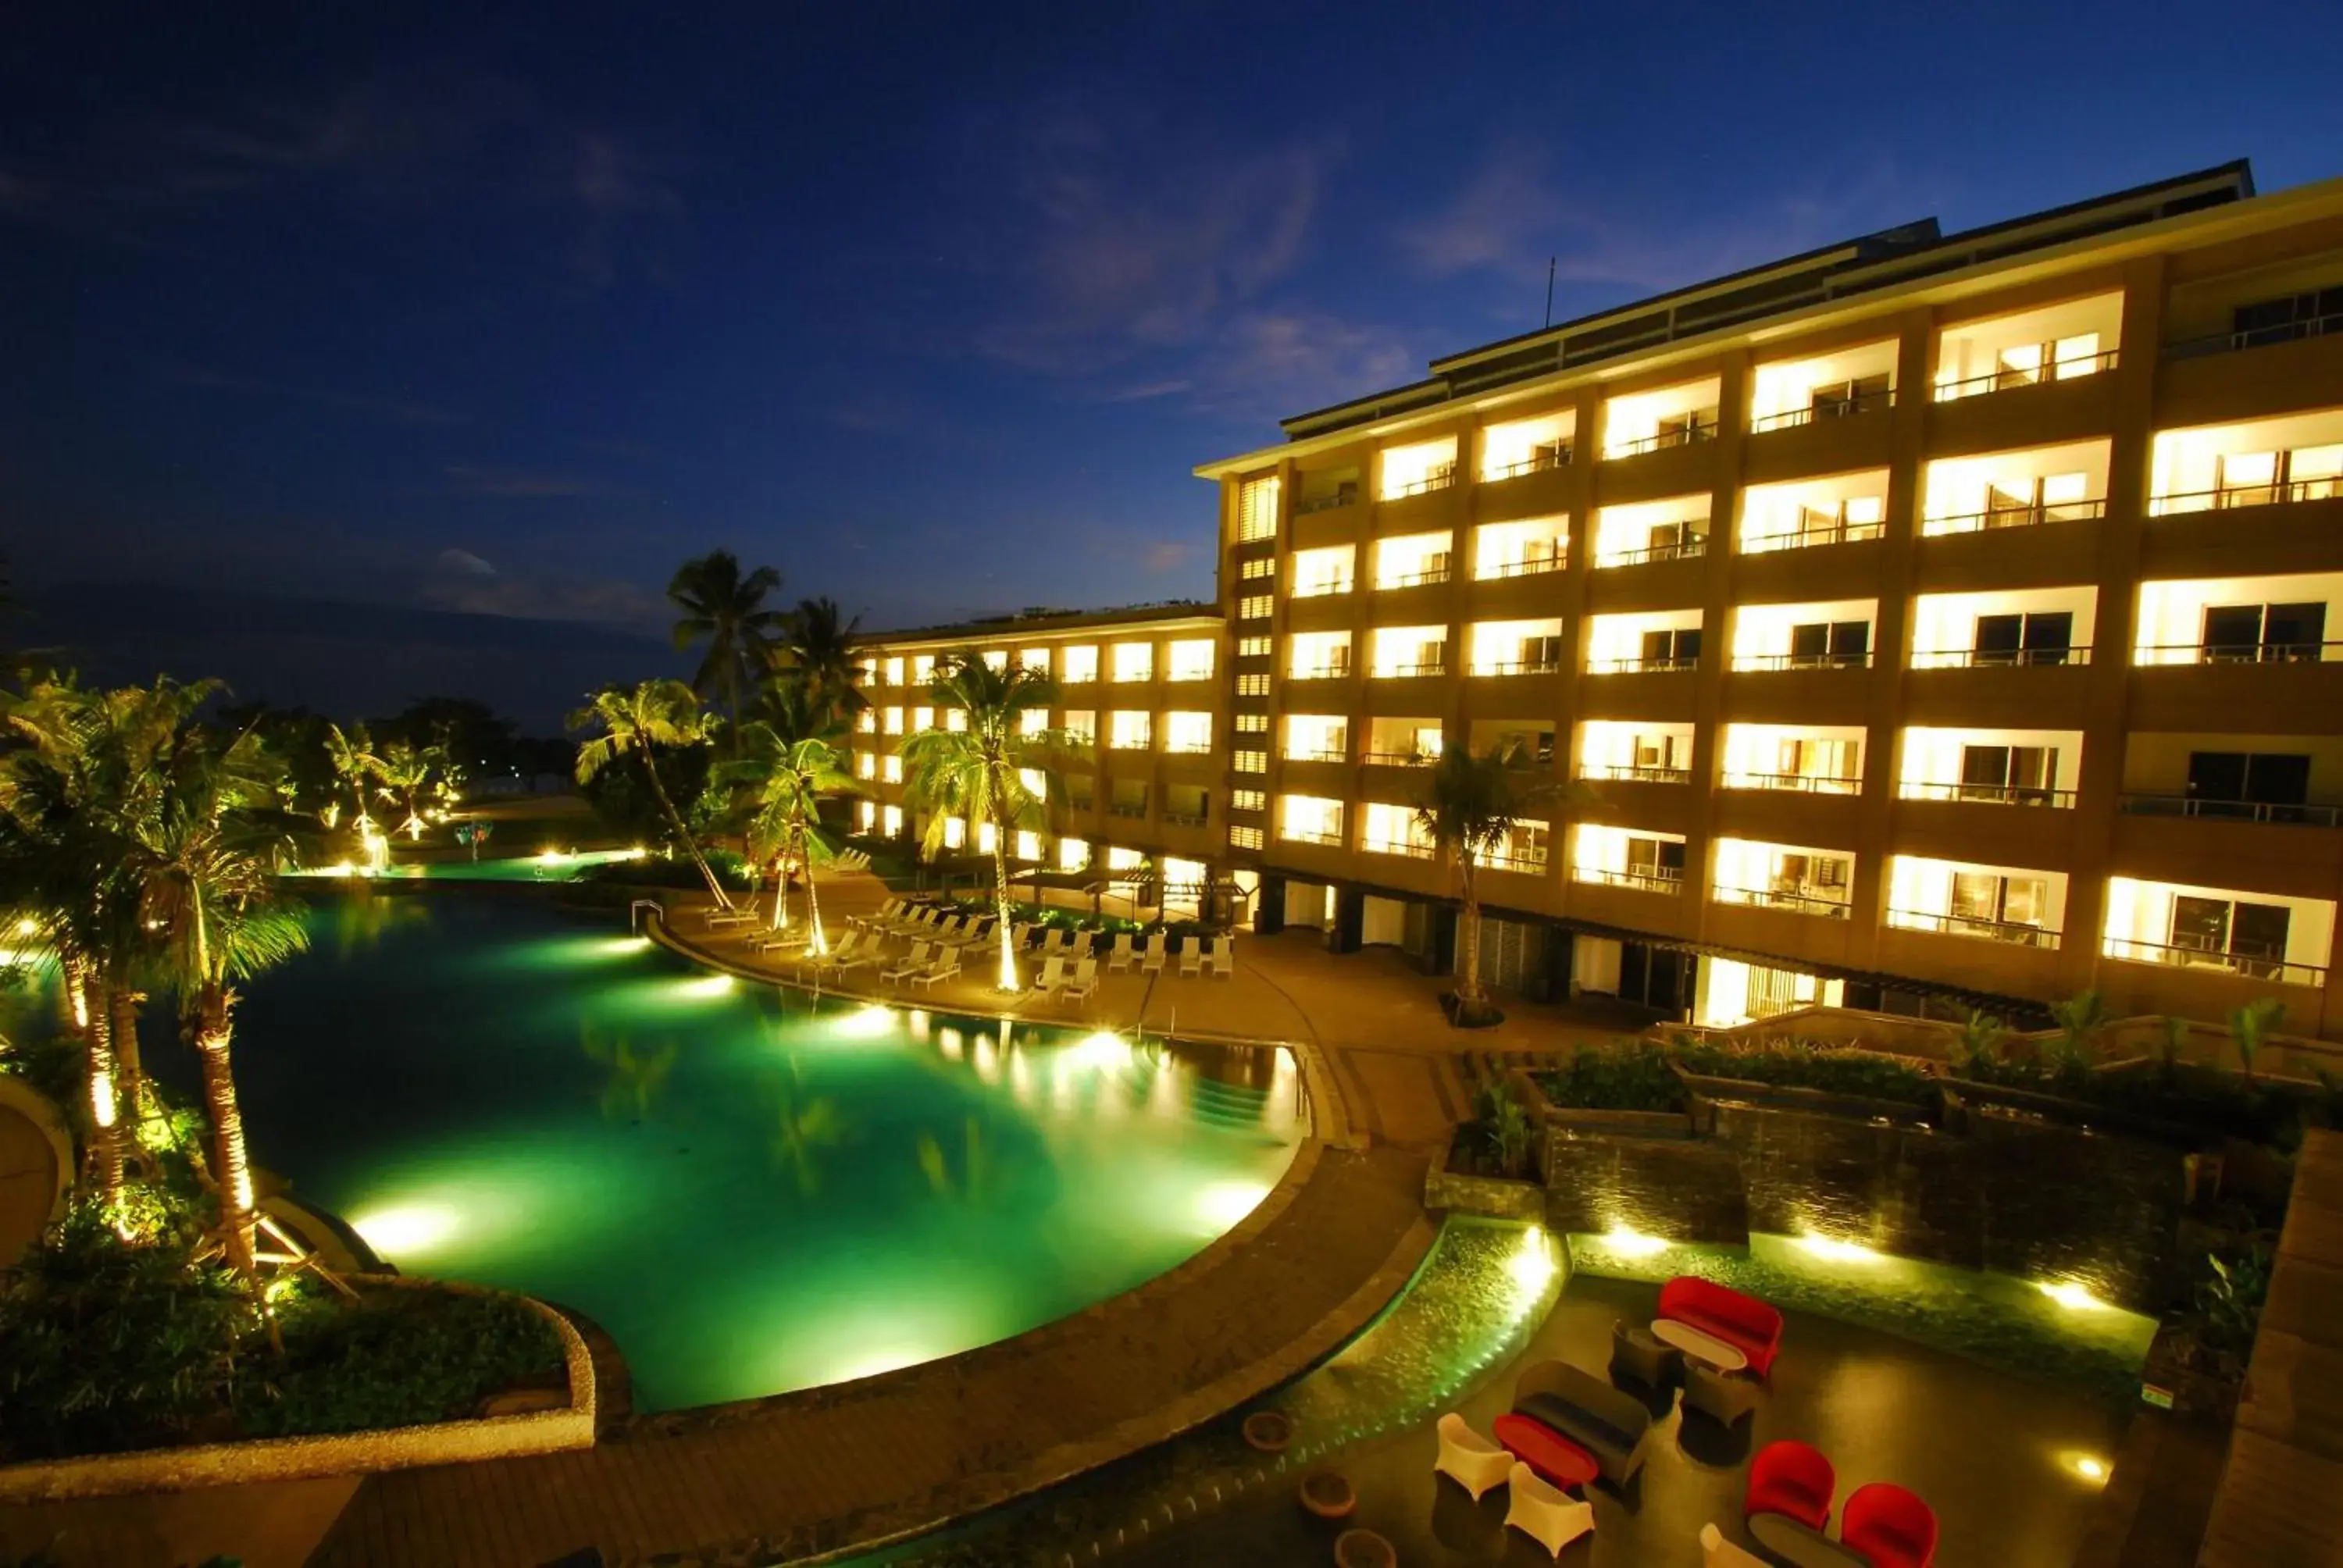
[(1927, 615)]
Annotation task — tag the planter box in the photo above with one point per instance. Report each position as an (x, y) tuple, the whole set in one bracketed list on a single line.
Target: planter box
[(1615, 1123), (2195, 1396), (1789, 1097), (2068, 1112), (1499, 1196)]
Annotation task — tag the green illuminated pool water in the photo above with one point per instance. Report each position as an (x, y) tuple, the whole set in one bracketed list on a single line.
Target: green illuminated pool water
[(552, 866), (752, 1194)]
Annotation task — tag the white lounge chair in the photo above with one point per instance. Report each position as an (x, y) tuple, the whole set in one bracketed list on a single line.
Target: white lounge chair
[(839, 956), (910, 966), (977, 933), (871, 954), (738, 914), (1017, 932), (1546, 1514), (1053, 941), (943, 969), (948, 934), (1474, 1463), (1157, 949), (1224, 958), (1079, 946), (1084, 981), (1122, 957), (880, 915), (1053, 975), (1716, 1552), (774, 942), (1191, 955)]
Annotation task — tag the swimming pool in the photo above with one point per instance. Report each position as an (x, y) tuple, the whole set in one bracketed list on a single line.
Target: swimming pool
[(749, 1193)]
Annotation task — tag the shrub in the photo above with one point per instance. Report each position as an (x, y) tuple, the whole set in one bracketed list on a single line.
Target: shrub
[(396, 1358), (1808, 1064), (1635, 1077)]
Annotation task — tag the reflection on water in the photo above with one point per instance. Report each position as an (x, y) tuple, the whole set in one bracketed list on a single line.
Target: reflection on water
[(636, 1079), (363, 919), (804, 1127)]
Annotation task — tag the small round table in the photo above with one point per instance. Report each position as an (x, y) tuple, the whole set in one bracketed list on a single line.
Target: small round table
[(1703, 1347), (1365, 1549), (1799, 1544)]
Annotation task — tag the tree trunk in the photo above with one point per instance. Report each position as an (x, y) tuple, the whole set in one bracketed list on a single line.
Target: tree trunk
[(104, 1094), (675, 817), (815, 943), (1468, 946), (781, 889), (212, 1033), (1008, 979), (124, 1007)]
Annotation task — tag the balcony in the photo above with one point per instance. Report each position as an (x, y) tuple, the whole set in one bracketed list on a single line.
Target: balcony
[(1987, 794), (2014, 932), (1184, 820), (1836, 405), (1397, 759), (1552, 454), (2007, 378), (1848, 659), (1682, 549), (2270, 495), (1333, 838), (1136, 810), (1410, 671), (1628, 772), (1346, 494), (1423, 578), (2255, 336), (1317, 754), (1658, 879), (1407, 848), (2264, 811), (1440, 476), (1694, 429), (2023, 515), (1637, 664), (1803, 783), (1832, 530), (1997, 658), (1334, 671), (1792, 899), (1521, 567), (1533, 863), (2238, 653), (2250, 965), (1545, 666)]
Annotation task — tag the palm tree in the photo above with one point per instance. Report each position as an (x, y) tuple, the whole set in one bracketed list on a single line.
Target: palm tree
[(1468, 807), (728, 612), (653, 713), (784, 782), (978, 773), (817, 652), (355, 763), (206, 862), (406, 771)]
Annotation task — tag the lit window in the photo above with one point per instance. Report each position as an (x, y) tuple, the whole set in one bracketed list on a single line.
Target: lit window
[(1250, 761), (1252, 723), (1078, 664), (955, 832), (1259, 566), (1309, 819), (1073, 854), (996, 659), (1033, 721), (1255, 606), (895, 671), (890, 820), (1248, 800), (1252, 648), (870, 815), (1244, 837), (1083, 725), (1134, 661), (1122, 859), (866, 765), (1131, 731), (987, 834), (922, 721), (1255, 684), (1187, 732), (1028, 844), (894, 721), (892, 769), (1257, 507), (923, 668), (1191, 659), (1035, 781), (867, 721), (1036, 660)]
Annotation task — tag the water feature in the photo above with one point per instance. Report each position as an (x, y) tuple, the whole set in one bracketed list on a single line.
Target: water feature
[(751, 1192)]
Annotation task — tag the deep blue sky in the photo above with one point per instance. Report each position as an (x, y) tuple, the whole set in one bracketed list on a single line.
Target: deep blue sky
[(932, 307)]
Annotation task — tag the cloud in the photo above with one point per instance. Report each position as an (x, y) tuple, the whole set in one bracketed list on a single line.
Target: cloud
[(491, 479), (1501, 217), (463, 563), (401, 411), (1288, 360), (460, 580)]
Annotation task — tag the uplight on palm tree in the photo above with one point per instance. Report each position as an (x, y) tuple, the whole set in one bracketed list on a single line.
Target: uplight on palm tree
[(726, 609), (784, 782), (1468, 809), (634, 721), (978, 773)]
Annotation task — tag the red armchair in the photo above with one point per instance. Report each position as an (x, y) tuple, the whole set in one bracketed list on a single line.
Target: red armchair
[(1794, 1481), (1890, 1526), (1745, 1322)]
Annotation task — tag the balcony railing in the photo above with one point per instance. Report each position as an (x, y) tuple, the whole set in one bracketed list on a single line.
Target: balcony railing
[(1412, 850), (1685, 436), (1412, 580), (1824, 409), (1808, 783), (1321, 754), (1439, 478), (1527, 567), (2243, 653), (1638, 665), (2293, 490), (1555, 456), (1321, 671), (2253, 338), (1834, 534), (1407, 672), (1681, 550), (2260, 966), (2289, 815), (2072, 369), (1500, 860), (2015, 517), (1658, 881), (1325, 588), (1399, 758), (2016, 933), (1136, 810), (1186, 747), (1783, 899), (1310, 836), (1184, 820), (1628, 770), (1763, 661), (1515, 666), (1989, 794), (1309, 504), (1990, 658)]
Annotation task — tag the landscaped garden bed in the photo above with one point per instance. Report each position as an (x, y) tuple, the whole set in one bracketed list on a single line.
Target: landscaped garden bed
[(1649, 1079), (1488, 1169), (1628, 1093)]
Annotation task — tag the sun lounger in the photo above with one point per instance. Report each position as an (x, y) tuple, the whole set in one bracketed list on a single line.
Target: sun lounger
[(738, 914), (1156, 953), (943, 969), (948, 934), (871, 953), (1224, 958), (1122, 958), (774, 942), (1079, 946), (838, 956), (1191, 955), (979, 932), (1053, 941), (1053, 975), (880, 915), (910, 966), (1017, 932), (1085, 981)]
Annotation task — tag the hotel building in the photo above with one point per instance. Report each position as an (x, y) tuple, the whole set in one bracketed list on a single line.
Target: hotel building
[(1924, 619)]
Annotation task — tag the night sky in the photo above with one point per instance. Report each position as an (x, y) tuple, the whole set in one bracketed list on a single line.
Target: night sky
[(932, 307)]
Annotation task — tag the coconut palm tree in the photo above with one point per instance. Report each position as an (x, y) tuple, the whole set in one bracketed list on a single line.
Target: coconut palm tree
[(635, 721), (783, 782), (1468, 806), (356, 764), (405, 770), (206, 861), (978, 773), (726, 611), (817, 652)]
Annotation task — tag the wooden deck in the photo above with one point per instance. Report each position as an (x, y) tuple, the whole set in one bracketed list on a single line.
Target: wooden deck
[(2281, 1497)]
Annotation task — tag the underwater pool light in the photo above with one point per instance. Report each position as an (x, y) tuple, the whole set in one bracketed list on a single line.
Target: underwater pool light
[(867, 1023), (2070, 1295), (403, 1230), (1833, 1250), (1224, 1204), (2089, 1466), (1630, 1243)]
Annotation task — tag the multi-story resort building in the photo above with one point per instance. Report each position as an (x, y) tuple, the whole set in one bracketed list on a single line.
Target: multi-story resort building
[(1923, 617)]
